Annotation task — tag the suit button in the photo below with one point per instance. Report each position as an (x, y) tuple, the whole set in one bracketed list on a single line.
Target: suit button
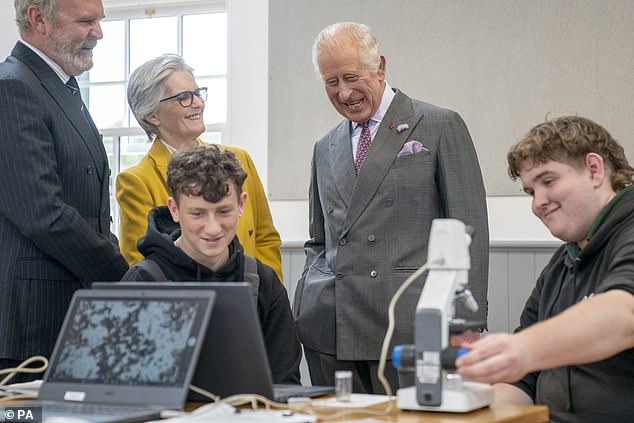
[(89, 170), (339, 275), (342, 241), (371, 238), (373, 274), (389, 202), (330, 209)]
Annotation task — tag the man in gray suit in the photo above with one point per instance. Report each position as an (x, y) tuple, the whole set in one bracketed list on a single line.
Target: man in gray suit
[(54, 200), (378, 180)]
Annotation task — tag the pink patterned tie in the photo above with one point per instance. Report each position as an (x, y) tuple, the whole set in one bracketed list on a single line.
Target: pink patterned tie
[(363, 146)]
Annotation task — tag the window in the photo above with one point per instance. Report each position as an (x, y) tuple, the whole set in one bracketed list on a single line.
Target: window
[(131, 37)]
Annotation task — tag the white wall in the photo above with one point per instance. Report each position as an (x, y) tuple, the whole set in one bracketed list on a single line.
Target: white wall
[(247, 117), (9, 31)]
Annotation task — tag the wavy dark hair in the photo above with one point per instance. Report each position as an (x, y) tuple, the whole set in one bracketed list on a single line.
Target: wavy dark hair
[(204, 170), (569, 139)]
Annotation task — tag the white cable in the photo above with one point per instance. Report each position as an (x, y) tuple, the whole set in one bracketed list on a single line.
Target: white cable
[(390, 331), (7, 395), (204, 393), (22, 368)]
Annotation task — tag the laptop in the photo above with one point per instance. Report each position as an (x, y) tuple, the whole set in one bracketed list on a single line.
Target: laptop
[(233, 358), (124, 355)]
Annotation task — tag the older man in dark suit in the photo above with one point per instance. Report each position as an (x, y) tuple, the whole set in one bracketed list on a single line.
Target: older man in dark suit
[(378, 180), (54, 201)]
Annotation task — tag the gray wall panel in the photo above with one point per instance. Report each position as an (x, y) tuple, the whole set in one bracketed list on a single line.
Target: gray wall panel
[(498, 292), (521, 268)]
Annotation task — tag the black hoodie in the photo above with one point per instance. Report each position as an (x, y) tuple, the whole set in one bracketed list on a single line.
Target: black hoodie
[(278, 327)]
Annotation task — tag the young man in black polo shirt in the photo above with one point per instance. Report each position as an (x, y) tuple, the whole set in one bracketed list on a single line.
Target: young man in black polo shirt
[(574, 348)]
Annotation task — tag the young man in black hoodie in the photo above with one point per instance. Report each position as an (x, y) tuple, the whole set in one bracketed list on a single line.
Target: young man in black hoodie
[(574, 348), (194, 239)]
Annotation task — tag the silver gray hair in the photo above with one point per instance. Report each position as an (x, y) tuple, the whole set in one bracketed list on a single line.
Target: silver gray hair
[(147, 87), (348, 33), (47, 7)]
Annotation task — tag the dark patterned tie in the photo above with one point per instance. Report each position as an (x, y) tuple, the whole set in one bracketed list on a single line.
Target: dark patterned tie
[(73, 86), (77, 102), (364, 144)]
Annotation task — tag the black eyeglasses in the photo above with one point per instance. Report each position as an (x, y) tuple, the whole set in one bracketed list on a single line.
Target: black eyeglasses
[(186, 98)]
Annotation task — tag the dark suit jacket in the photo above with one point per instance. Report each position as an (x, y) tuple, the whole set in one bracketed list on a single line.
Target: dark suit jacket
[(370, 232), (54, 205)]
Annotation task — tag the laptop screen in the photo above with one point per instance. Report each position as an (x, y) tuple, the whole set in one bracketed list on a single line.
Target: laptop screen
[(121, 341), (128, 347), (233, 359)]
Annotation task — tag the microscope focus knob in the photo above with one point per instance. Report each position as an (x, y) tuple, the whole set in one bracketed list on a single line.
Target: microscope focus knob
[(449, 356), (403, 357)]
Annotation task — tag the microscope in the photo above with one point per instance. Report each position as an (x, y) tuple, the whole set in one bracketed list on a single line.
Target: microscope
[(437, 388)]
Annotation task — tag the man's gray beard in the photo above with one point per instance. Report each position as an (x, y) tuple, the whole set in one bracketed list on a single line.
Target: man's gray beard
[(75, 62)]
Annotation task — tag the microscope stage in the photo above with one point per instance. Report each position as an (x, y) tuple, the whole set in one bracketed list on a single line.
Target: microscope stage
[(470, 397)]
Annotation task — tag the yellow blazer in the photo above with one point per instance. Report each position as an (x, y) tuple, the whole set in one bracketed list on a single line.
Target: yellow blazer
[(143, 187)]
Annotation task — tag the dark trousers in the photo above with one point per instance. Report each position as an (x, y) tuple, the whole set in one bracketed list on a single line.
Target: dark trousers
[(6, 363), (322, 369)]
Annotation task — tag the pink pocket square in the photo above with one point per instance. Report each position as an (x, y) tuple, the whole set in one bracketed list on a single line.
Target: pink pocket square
[(412, 147)]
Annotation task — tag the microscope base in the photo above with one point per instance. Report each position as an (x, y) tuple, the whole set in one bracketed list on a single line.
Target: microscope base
[(470, 397)]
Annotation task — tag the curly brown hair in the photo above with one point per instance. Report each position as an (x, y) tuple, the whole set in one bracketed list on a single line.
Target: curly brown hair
[(204, 170), (569, 139)]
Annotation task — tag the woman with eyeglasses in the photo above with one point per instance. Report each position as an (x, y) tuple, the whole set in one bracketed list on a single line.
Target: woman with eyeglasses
[(169, 106)]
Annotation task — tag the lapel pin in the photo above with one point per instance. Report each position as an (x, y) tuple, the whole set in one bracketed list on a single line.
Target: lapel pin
[(391, 124)]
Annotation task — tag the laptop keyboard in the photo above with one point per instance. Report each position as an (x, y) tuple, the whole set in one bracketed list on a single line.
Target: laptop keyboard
[(282, 392), (85, 408)]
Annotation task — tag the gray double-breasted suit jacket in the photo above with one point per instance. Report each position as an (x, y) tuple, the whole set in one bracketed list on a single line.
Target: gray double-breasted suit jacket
[(54, 205), (370, 232)]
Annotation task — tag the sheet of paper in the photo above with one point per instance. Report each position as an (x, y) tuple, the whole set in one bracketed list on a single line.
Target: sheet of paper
[(28, 388), (356, 400), (227, 414), (364, 421)]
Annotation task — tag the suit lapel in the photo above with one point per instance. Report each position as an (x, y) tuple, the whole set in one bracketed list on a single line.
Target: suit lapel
[(381, 155), (341, 162), (160, 155), (63, 97)]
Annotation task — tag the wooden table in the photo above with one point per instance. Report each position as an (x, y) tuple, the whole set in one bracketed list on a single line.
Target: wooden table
[(493, 414), (496, 413)]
